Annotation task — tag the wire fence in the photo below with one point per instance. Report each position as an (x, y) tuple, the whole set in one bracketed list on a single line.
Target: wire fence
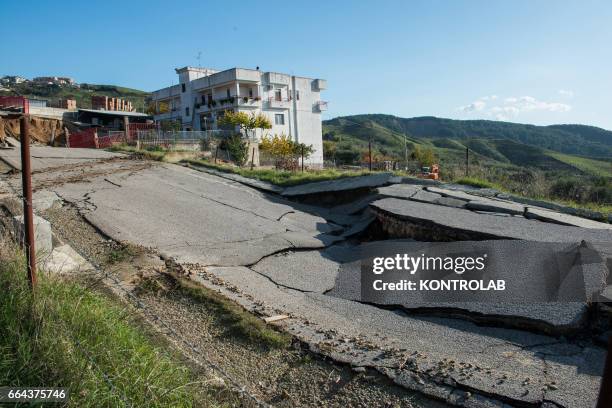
[(198, 356), (177, 140)]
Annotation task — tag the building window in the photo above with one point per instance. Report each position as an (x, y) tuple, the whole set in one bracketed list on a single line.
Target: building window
[(228, 93), (182, 87), (203, 99), (250, 93), (297, 95), (187, 111), (277, 95), (279, 119)]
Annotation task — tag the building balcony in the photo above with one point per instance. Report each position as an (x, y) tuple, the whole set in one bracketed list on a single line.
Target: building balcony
[(231, 102), (279, 103), (320, 106), (248, 102), (319, 84), (170, 115)]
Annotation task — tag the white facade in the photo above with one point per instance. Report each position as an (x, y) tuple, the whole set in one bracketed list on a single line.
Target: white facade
[(293, 104)]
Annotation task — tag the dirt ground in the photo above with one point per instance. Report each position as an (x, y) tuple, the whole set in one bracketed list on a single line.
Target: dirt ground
[(41, 129), (288, 376)]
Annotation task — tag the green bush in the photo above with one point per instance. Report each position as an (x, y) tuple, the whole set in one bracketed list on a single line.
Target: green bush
[(237, 148)]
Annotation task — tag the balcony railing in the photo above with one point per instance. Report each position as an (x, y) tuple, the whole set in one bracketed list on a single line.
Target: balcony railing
[(228, 102), (321, 106), (279, 102)]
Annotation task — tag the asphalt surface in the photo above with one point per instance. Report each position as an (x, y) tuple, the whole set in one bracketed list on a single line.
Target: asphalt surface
[(45, 157), (277, 257)]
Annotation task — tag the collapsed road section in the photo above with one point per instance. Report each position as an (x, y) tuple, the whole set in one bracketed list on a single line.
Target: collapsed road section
[(276, 256)]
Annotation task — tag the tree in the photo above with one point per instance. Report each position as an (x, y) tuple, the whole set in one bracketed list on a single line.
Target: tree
[(329, 150), (285, 151), (237, 148), (247, 123), (423, 156)]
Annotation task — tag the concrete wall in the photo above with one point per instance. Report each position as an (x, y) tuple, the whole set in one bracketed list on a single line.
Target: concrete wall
[(57, 113)]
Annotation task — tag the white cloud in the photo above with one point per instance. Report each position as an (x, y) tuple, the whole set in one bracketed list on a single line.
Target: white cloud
[(488, 98), (566, 93), (513, 106), (474, 106)]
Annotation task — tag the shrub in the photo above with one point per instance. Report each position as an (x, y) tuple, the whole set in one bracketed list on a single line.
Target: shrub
[(424, 156), (237, 148), (285, 152)]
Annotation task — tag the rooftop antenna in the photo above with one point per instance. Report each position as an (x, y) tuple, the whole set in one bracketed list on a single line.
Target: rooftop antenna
[(198, 58)]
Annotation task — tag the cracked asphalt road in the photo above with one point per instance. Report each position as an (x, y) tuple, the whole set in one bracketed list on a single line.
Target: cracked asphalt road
[(269, 255)]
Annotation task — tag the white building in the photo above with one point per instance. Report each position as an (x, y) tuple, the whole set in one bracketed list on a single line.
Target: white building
[(293, 104)]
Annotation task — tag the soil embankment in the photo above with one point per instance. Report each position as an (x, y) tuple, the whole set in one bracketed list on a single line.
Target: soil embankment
[(47, 131)]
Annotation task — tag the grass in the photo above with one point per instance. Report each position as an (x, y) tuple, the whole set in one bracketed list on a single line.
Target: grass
[(283, 178), (68, 336), (594, 167), (476, 182), (605, 209), (237, 322), (121, 253)]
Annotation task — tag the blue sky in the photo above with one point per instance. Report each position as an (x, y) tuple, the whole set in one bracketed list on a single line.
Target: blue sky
[(538, 62)]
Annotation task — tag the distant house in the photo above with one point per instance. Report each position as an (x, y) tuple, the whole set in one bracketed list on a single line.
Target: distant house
[(54, 80), (12, 80)]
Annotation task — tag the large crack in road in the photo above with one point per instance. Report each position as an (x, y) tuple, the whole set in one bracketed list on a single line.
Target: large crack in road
[(244, 243)]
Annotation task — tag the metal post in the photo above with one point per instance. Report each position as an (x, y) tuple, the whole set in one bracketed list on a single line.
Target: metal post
[(216, 152), (467, 162), (253, 158), (405, 153), (302, 158), (605, 392), (370, 153), (28, 218)]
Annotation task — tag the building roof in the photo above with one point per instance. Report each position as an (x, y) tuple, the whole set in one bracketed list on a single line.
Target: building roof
[(116, 113)]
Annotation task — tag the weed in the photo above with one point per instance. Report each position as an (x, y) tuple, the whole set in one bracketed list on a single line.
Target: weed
[(68, 336)]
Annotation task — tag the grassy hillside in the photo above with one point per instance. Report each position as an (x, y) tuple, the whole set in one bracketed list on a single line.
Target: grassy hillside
[(82, 94), (599, 168), (560, 162), (579, 140)]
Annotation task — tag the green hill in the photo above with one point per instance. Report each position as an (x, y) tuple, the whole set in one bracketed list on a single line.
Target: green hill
[(81, 93), (578, 140), (560, 162)]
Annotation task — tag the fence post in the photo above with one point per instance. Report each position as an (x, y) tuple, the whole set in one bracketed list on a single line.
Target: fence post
[(467, 162), (370, 153), (605, 392), (216, 152), (28, 217), (302, 158)]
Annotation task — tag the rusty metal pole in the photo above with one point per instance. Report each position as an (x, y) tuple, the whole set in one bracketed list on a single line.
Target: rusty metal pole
[(370, 153), (28, 217), (605, 392), (253, 158)]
